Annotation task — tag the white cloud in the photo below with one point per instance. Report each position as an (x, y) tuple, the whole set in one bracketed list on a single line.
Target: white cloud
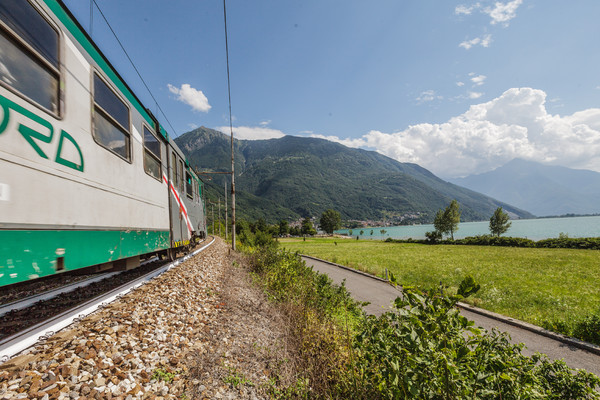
[(190, 96), (360, 142), (478, 80), (483, 41), (516, 124), (475, 95), (252, 132), (461, 9), (459, 84), (428, 95), (265, 123), (503, 12)]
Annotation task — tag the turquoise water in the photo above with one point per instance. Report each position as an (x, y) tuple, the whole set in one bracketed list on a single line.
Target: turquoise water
[(535, 229)]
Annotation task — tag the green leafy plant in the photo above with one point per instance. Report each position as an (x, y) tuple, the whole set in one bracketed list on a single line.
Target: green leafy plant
[(468, 286), (160, 374), (588, 328), (424, 349), (236, 379)]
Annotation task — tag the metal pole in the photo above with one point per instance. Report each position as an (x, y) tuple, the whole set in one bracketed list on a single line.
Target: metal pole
[(219, 216), (212, 208), (231, 130), (226, 226), (232, 196)]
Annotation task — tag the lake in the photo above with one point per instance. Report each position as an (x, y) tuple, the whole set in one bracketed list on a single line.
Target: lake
[(535, 229)]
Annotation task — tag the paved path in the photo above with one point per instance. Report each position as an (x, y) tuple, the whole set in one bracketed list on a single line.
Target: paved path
[(381, 294)]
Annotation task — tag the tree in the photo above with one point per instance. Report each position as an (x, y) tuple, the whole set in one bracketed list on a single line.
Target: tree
[(452, 214), (307, 227), (499, 222), (284, 227), (330, 221), (260, 225), (446, 222), (440, 223)]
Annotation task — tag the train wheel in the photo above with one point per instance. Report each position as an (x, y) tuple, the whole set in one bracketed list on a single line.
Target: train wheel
[(169, 255)]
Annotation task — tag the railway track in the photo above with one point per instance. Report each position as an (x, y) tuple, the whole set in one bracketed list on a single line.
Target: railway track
[(37, 317)]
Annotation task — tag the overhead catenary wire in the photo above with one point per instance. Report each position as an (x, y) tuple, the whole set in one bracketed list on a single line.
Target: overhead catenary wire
[(133, 65)]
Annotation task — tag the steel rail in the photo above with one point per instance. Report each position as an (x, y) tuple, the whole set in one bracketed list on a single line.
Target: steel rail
[(17, 343), (50, 294)]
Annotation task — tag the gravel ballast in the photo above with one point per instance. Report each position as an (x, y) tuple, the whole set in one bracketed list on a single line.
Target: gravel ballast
[(201, 330)]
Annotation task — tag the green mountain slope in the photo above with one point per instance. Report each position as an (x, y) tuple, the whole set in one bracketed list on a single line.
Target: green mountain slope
[(307, 176)]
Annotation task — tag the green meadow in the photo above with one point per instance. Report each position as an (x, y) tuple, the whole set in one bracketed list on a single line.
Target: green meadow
[(540, 286)]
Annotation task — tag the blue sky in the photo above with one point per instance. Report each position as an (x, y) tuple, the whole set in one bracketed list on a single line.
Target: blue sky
[(457, 87)]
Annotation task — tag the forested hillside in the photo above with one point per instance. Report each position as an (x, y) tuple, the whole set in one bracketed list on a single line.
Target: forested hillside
[(294, 177)]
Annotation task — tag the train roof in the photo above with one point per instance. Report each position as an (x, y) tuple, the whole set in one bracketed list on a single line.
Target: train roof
[(64, 15)]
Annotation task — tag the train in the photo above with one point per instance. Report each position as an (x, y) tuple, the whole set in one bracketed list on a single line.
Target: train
[(88, 176)]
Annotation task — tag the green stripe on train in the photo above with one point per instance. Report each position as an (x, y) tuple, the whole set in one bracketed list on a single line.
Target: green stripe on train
[(30, 254)]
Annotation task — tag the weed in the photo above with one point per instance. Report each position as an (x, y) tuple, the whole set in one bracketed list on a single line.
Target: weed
[(236, 379), (160, 374)]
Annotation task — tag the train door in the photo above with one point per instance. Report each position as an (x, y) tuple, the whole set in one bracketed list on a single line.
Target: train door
[(180, 222)]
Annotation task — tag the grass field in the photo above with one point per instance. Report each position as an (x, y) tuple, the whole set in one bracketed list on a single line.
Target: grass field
[(534, 285)]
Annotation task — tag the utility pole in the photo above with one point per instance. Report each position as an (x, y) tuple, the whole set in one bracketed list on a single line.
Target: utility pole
[(226, 226), (212, 208), (219, 216), (231, 130), (232, 196)]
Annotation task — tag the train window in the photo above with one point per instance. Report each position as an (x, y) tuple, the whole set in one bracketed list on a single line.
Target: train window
[(180, 176), (189, 187), (111, 120), (152, 154), (110, 103), (29, 60), (173, 170)]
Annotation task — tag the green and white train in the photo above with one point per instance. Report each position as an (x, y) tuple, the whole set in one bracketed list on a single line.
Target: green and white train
[(88, 177)]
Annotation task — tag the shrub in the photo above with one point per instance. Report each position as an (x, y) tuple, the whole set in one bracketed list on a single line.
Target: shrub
[(424, 349), (588, 329), (433, 236)]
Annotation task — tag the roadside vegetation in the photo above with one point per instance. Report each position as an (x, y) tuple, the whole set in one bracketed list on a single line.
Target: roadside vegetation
[(420, 350), (554, 288)]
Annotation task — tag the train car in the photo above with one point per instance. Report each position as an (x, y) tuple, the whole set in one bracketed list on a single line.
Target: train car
[(88, 177)]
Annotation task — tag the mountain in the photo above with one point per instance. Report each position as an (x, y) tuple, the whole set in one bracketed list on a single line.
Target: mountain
[(306, 176), (540, 189)]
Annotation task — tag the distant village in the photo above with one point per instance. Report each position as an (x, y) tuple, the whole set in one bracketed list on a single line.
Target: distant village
[(413, 218)]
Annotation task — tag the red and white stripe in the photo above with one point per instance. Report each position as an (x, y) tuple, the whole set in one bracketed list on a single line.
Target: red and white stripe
[(182, 207)]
